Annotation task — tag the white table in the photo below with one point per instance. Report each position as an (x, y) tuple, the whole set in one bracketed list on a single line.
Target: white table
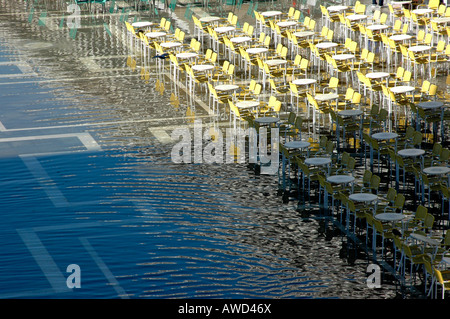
[(343, 57), (297, 144), (169, 45), (269, 14), (303, 34), (420, 48), (267, 120), (402, 89), (390, 217), (186, 55), (304, 81), (431, 105), (384, 136), (319, 161), (142, 24), (326, 45), (377, 75), (422, 12), (156, 34), (337, 8), (363, 197), (357, 17), (401, 37), (247, 104), (224, 29), (340, 179), (378, 27), (287, 24), (202, 67), (425, 239), (226, 87), (242, 39), (348, 113), (257, 50), (437, 170), (275, 62), (210, 19), (326, 97)]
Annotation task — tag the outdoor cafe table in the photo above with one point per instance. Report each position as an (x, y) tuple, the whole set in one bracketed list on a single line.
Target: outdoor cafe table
[(365, 198), (302, 82), (378, 75), (203, 68), (426, 240), (437, 171), (341, 179), (337, 8), (156, 34), (382, 136), (326, 45), (242, 39), (248, 104), (170, 45), (210, 19), (142, 24), (327, 97), (298, 145), (287, 24), (271, 14), (401, 37), (257, 50), (391, 217), (225, 29), (319, 161), (303, 34)]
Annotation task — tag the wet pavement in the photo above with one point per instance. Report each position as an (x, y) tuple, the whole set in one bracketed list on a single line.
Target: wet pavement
[(87, 179)]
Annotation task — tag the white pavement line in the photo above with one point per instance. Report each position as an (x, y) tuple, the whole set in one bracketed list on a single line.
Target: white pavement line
[(108, 274), (44, 260), (52, 191), (2, 127)]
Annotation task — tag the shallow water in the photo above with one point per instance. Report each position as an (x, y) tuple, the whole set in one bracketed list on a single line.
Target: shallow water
[(87, 179)]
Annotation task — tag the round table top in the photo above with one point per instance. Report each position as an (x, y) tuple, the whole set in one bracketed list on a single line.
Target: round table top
[(326, 45), (171, 44), (411, 152), (350, 112), (302, 34), (285, 24), (247, 104), (186, 55), (240, 39), (224, 29), (425, 239), (441, 20), (326, 96), (270, 13), (155, 34), (275, 62), (384, 135), (357, 17), (400, 37), (256, 50), (437, 170), (142, 24), (202, 67), (337, 8), (402, 89), (390, 217), (297, 144), (344, 56), (318, 161), (210, 19), (375, 27), (431, 104), (226, 87), (304, 81), (340, 179), (420, 48), (422, 11), (377, 75), (267, 120), (363, 197)]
